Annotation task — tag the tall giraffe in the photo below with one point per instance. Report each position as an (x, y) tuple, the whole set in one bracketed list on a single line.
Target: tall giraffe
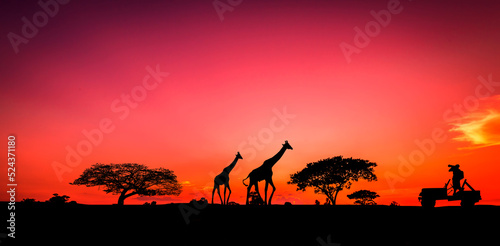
[(265, 172), (223, 179)]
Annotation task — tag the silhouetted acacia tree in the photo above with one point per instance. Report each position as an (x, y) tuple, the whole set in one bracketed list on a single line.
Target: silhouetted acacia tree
[(57, 199), (331, 175), (130, 179), (364, 197)]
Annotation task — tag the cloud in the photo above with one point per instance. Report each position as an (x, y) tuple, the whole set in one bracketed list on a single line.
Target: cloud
[(480, 128)]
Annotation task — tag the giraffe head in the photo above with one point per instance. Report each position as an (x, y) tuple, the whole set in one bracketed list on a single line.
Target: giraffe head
[(238, 155), (286, 145)]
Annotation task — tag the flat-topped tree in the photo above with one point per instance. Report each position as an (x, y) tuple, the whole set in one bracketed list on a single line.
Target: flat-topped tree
[(130, 179), (364, 197)]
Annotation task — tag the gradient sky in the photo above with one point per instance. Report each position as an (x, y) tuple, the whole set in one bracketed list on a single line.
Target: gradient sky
[(423, 89)]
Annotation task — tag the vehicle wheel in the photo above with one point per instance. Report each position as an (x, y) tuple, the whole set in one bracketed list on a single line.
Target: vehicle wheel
[(428, 203), (467, 203)]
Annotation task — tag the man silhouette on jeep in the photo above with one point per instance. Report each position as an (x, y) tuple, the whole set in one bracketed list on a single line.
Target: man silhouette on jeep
[(457, 176)]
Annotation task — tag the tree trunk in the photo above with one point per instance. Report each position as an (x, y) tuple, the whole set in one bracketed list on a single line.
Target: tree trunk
[(334, 202), (122, 197)]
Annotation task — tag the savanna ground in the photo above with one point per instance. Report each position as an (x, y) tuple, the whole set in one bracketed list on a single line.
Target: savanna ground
[(76, 224)]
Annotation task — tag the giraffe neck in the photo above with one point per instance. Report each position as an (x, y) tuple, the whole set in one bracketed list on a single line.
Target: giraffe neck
[(229, 168), (269, 163)]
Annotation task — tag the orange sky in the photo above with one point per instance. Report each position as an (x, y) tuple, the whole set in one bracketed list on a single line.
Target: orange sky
[(423, 91)]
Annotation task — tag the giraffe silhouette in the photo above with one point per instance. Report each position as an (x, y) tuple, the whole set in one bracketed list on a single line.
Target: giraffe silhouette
[(265, 172), (223, 179)]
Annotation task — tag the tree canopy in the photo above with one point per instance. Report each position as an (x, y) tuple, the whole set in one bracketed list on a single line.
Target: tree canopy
[(330, 176), (130, 179)]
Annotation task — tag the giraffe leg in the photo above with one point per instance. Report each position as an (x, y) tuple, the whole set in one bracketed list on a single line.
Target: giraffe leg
[(218, 192), (229, 194), (274, 188), (224, 201), (213, 191), (265, 192)]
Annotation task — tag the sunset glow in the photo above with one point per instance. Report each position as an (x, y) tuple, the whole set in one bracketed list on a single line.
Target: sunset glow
[(480, 128), (172, 84)]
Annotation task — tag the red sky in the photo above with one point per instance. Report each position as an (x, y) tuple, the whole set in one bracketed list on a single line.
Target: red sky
[(423, 88)]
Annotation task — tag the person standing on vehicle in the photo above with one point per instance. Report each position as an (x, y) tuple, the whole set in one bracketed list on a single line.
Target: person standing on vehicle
[(457, 176)]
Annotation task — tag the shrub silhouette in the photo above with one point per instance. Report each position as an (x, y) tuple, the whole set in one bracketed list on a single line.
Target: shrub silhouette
[(29, 200), (255, 199), (394, 204), (57, 199)]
